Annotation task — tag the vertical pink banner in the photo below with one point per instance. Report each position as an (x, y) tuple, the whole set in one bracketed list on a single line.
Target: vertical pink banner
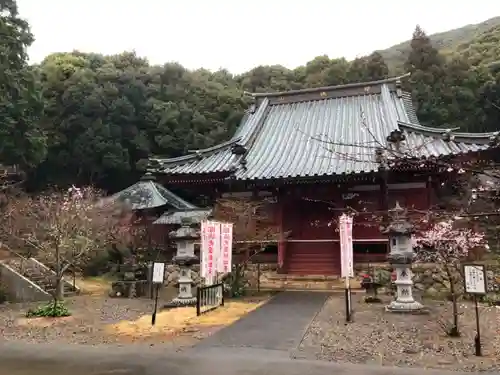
[(346, 246), (349, 247), (212, 250), (225, 260), (204, 249)]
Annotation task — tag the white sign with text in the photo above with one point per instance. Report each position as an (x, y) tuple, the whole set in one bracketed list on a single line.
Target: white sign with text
[(158, 272), (475, 279)]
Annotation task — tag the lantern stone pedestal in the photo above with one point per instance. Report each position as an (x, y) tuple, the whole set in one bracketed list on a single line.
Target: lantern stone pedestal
[(404, 301), (184, 238), (401, 257)]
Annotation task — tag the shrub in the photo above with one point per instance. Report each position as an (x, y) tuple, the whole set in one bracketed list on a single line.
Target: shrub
[(236, 283), (50, 310)]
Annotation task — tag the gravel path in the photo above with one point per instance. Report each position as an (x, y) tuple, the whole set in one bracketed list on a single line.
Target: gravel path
[(90, 316), (379, 337)]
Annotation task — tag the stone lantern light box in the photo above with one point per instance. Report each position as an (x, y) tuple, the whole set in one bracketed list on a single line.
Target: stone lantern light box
[(185, 237), (401, 257)]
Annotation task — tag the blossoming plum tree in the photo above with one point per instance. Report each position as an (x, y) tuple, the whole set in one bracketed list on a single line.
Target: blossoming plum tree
[(447, 244), (63, 229), (253, 228)]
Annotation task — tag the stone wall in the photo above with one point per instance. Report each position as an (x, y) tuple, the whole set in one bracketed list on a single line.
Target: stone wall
[(266, 270), (172, 272), (18, 288), (428, 278)]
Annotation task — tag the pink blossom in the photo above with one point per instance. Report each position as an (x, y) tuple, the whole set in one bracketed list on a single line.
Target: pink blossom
[(444, 242)]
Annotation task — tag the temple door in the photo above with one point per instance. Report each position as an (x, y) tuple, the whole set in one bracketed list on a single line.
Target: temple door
[(313, 248)]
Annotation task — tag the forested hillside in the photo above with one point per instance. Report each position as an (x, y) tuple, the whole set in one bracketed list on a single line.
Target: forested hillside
[(80, 118), (449, 42)]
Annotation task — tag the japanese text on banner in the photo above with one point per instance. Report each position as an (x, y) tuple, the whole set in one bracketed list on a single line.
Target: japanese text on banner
[(203, 249), (346, 246), (225, 259), (210, 250)]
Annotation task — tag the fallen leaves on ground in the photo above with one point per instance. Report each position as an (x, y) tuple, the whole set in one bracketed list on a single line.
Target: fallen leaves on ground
[(184, 319), (44, 322), (93, 285)]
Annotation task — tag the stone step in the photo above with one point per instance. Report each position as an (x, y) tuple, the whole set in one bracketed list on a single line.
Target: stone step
[(38, 277), (307, 284)]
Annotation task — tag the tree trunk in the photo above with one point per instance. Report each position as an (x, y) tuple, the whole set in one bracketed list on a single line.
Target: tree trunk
[(59, 292), (454, 331)]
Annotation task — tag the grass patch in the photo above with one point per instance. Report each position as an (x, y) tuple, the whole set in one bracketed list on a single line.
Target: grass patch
[(50, 310), (184, 319)]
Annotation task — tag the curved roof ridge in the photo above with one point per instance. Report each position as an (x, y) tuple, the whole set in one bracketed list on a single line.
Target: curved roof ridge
[(329, 88), (429, 129), (174, 200), (196, 153)]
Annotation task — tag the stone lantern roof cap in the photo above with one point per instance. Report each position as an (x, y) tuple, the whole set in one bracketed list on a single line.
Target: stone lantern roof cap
[(399, 223), (184, 233)]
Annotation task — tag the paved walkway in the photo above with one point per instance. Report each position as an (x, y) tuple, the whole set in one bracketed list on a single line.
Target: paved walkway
[(277, 326), (50, 359)]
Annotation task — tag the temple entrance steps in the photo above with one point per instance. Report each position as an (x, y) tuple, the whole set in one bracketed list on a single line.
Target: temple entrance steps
[(307, 283), (312, 258)]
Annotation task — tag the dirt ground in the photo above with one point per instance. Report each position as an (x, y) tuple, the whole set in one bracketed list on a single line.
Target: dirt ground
[(383, 338), (98, 319)]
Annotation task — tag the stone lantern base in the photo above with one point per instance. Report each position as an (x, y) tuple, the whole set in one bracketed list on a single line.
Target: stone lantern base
[(404, 302), (181, 302), (185, 296), (404, 307)]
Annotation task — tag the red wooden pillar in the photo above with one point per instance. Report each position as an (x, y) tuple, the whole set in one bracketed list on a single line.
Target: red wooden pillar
[(429, 186), (281, 240)]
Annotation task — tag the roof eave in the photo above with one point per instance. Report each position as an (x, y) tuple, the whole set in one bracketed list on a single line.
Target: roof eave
[(328, 88), (195, 154), (464, 136)]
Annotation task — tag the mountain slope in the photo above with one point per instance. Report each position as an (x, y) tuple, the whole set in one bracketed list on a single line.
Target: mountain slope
[(483, 49), (447, 42)]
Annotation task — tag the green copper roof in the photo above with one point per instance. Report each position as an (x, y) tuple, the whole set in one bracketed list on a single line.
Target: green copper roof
[(322, 132), (146, 194)]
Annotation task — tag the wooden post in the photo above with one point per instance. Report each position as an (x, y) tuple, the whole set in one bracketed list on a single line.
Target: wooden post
[(429, 187), (281, 240)]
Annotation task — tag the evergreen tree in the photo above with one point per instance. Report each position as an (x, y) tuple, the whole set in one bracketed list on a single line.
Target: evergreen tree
[(21, 140), (368, 68), (376, 68), (426, 66)]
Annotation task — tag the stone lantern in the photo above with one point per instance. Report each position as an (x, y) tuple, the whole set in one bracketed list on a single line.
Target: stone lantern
[(401, 257), (184, 238)]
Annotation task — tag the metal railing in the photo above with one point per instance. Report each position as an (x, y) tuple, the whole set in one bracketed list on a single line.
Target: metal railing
[(209, 298)]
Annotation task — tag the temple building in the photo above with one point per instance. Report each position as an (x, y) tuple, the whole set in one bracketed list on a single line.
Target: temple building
[(319, 152)]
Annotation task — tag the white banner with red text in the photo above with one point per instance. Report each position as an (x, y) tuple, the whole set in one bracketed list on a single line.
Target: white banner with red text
[(216, 250), (346, 246)]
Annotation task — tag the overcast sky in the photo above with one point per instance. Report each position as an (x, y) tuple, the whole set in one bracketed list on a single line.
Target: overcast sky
[(239, 34)]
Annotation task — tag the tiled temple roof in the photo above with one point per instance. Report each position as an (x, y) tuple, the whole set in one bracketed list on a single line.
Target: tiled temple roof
[(322, 132), (147, 194)]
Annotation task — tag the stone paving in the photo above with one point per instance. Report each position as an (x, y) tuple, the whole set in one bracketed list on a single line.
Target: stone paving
[(50, 359), (278, 326)]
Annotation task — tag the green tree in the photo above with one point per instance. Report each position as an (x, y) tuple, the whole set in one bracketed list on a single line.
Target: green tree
[(106, 114), (489, 100), (368, 68), (376, 68), (21, 140), (426, 66), (461, 96)]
